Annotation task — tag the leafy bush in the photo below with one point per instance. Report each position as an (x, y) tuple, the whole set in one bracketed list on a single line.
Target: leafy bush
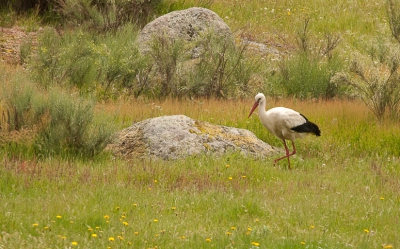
[(106, 15), (375, 79), (167, 56), (304, 76), (210, 66), (55, 122), (72, 129), (110, 65), (104, 64), (222, 69), (394, 17), (308, 72), (21, 102)]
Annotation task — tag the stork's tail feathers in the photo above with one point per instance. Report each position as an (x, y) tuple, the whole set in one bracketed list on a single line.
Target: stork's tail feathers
[(308, 127)]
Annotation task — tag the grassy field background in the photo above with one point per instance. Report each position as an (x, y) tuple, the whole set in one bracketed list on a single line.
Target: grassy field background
[(343, 191)]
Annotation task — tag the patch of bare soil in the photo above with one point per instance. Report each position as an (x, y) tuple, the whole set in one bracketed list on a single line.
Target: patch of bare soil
[(11, 40)]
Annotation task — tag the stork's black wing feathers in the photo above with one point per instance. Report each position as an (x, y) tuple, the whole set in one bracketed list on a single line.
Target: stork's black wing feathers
[(307, 127)]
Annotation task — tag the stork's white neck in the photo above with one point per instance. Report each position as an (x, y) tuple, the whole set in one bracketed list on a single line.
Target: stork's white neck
[(261, 110)]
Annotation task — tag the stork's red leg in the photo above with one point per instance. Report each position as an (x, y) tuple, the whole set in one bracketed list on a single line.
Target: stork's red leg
[(287, 153)]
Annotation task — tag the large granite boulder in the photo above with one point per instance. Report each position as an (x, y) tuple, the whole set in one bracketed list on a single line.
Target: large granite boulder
[(172, 137), (183, 25)]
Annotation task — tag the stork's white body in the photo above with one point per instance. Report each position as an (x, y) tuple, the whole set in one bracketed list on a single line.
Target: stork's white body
[(284, 123), (280, 120)]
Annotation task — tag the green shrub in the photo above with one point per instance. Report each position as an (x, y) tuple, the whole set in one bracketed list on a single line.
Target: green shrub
[(222, 69), (8, 17), (210, 66), (122, 68), (167, 56), (375, 79), (45, 63), (106, 15), (308, 72), (104, 64), (72, 129), (56, 123), (304, 76), (23, 101), (392, 9)]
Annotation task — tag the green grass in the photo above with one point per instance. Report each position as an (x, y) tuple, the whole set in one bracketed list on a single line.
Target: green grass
[(343, 191), (328, 206), (270, 21)]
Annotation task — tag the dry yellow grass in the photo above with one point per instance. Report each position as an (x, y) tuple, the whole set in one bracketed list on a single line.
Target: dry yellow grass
[(228, 111)]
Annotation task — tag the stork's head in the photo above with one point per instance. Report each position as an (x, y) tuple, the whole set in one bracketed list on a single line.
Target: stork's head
[(260, 98)]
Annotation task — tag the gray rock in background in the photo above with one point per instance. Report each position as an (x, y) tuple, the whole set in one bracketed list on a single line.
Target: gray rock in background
[(173, 137), (183, 25)]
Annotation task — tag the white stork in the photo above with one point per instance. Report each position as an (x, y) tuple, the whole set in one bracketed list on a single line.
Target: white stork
[(284, 123)]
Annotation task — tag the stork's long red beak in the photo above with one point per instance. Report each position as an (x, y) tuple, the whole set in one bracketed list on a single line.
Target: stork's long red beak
[(252, 109)]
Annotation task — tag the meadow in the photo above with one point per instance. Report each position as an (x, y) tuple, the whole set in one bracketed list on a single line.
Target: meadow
[(343, 190)]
